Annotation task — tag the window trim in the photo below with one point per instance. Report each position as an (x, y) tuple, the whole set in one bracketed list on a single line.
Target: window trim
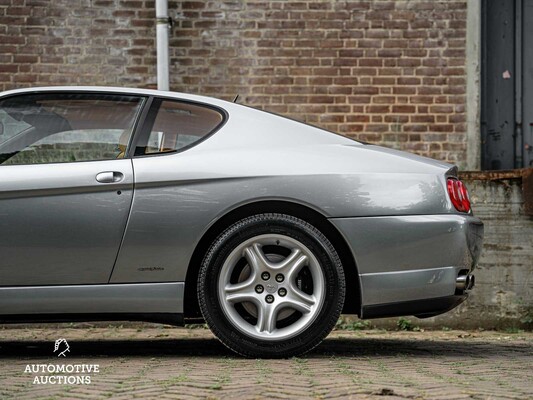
[(145, 100), (148, 119)]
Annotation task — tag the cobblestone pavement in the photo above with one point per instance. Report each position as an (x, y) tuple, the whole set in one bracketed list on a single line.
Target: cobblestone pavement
[(168, 363)]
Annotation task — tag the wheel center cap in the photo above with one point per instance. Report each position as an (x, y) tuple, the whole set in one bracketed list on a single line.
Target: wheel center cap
[(271, 287)]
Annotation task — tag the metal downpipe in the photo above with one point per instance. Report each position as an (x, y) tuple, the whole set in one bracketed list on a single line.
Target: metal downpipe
[(162, 33)]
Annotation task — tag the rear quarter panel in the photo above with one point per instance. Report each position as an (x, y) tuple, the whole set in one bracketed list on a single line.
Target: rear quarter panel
[(179, 196)]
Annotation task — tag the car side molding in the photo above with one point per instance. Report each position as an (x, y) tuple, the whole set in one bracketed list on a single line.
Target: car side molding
[(124, 298)]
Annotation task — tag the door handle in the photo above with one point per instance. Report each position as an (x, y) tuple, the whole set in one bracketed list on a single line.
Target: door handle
[(109, 177)]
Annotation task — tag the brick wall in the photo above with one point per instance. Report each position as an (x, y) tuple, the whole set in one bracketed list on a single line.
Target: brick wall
[(386, 72), (66, 42)]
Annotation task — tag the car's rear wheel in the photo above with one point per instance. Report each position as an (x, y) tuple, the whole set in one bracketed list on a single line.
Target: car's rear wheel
[(271, 285)]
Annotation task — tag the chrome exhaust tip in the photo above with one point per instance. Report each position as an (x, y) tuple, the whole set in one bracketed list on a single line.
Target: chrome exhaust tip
[(461, 282), (465, 282), (471, 282)]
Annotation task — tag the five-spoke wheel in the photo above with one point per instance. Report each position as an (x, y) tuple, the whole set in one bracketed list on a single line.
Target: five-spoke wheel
[(271, 285), (267, 279)]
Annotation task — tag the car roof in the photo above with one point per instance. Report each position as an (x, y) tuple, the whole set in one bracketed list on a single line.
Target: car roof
[(122, 90), (228, 107)]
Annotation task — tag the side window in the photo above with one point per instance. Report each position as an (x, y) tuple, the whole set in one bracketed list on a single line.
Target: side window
[(9, 126), (174, 125), (69, 127)]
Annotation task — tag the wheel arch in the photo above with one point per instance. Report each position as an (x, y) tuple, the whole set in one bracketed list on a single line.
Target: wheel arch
[(352, 303)]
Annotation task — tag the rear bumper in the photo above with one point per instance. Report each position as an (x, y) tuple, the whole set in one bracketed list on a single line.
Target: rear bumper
[(420, 308), (402, 260)]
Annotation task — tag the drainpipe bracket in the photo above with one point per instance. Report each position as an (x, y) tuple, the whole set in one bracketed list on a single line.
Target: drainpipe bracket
[(165, 21)]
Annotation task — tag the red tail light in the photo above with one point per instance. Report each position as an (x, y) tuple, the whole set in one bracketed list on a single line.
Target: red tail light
[(458, 195)]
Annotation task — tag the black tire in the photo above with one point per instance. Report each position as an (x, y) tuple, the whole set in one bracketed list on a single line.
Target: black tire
[(326, 315)]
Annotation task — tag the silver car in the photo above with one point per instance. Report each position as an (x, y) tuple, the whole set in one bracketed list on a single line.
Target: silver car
[(130, 204)]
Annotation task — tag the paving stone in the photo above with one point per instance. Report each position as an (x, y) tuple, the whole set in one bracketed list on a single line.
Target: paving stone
[(175, 363)]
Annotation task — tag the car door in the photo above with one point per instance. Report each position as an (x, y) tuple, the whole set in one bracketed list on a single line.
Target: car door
[(168, 212), (65, 185)]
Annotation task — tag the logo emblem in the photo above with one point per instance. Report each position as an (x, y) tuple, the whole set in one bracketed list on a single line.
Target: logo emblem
[(271, 287), (61, 344)]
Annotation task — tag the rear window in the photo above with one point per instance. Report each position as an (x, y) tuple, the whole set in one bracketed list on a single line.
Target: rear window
[(176, 125)]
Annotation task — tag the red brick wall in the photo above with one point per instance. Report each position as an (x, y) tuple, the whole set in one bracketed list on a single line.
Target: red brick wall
[(387, 72), (61, 42)]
